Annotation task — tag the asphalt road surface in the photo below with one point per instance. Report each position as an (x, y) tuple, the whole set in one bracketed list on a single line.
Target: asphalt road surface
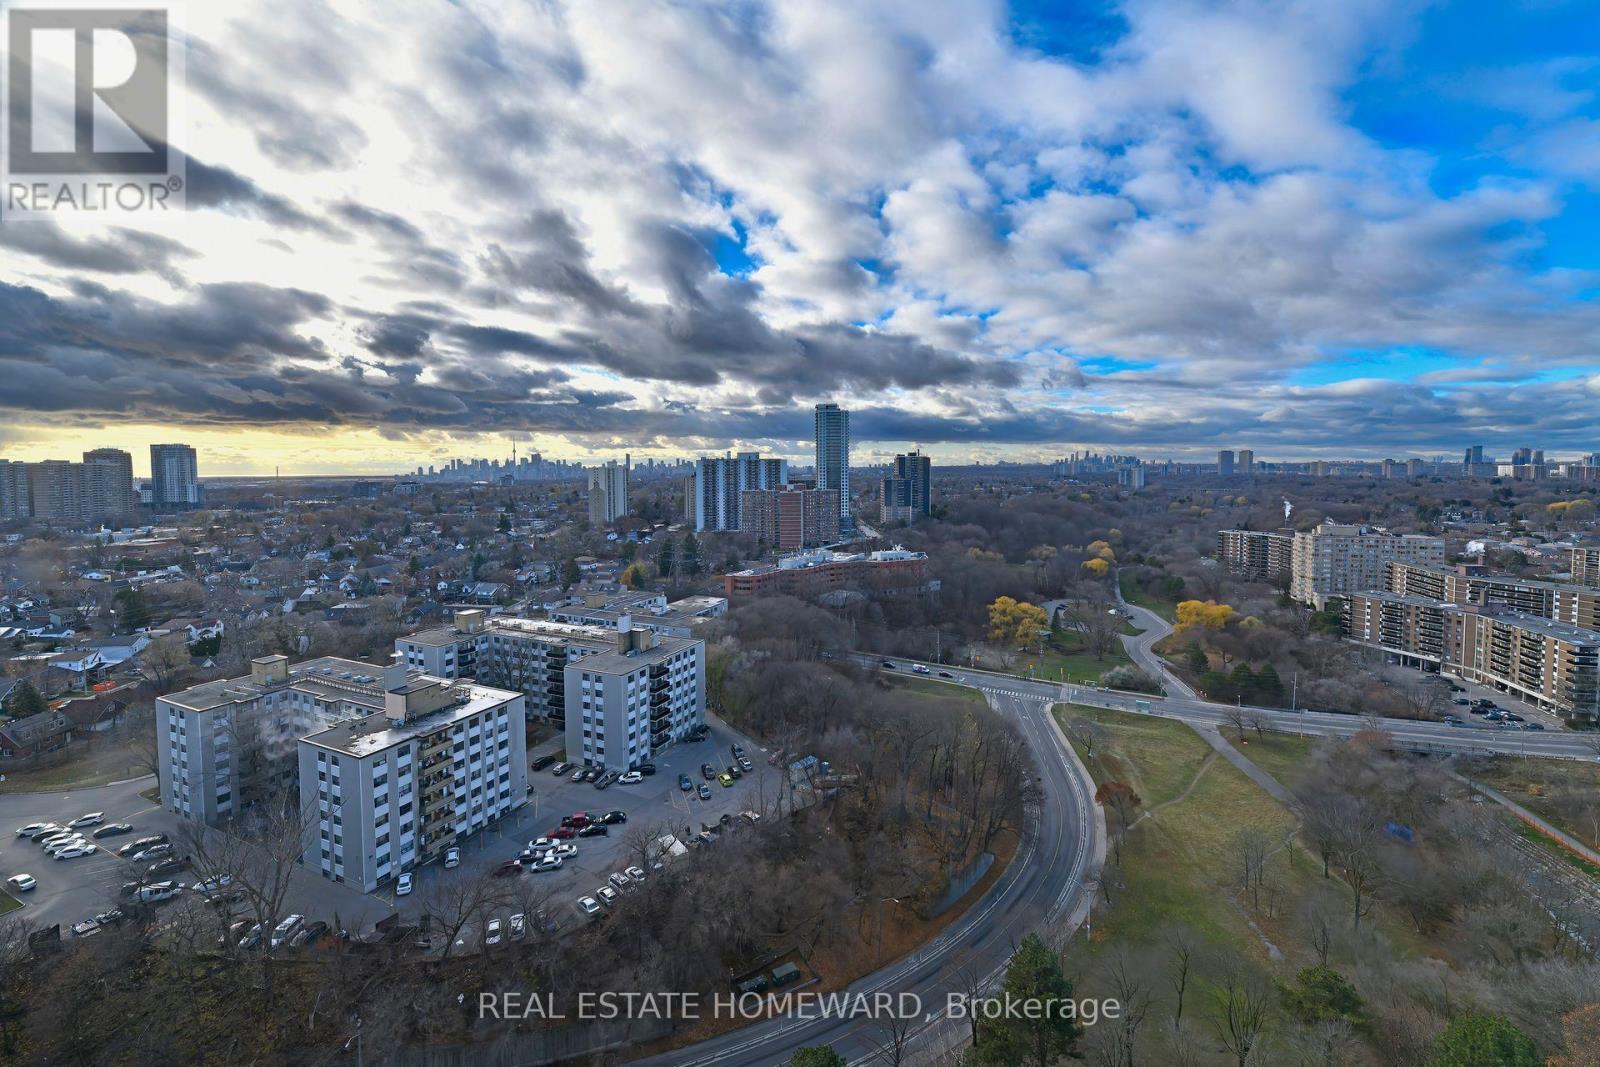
[(1039, 892)]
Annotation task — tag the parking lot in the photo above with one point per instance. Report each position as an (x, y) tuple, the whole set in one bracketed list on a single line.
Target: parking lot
[(655, 804), (69, 891)]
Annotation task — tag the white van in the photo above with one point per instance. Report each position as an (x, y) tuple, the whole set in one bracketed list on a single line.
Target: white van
[(286, 929), (157, 891)]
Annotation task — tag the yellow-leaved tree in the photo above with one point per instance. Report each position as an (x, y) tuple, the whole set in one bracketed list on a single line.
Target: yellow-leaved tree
[(1097, 567), (1013, 621), (1206, 614)]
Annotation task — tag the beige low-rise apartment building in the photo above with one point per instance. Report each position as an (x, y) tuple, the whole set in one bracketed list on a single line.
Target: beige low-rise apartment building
[(1586, 565), (1262, 555), (1334, 560), (1575, 605), (1550, 664)]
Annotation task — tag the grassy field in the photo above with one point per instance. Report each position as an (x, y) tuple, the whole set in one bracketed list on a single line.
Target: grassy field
[(8, 902), (1176, 866), (1284, 756), (1565, 792), (1134, 595), (80, 765), (938, 689), (1065, 660)]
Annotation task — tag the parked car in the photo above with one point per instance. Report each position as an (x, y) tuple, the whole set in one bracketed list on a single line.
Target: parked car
[(252, 937), (113, 917), (156, 892), (726, 780), (151, 854), (56, 838), (56, 844), (606, 780), (593, 774), (589, 905), (452, 858), (595, 830), (85, 928), (34, 829), (494, 933), (631, 778), (635, 873), (212, 885), (113, 829), (547, 862), (403, 884), (611, 818), (566, 850), (518, 925), (608, 896), (508, 869), (542, 762), (685, 784), (705, 791), (578, 775), (577, 819), (561, 768), (310, 934), (707, 771), (746, 765), (22, 882), (563, 833), (287, 927), (134, 847), (646, 768), (620, 880), (94, 818), (75, 851), (734, 772)]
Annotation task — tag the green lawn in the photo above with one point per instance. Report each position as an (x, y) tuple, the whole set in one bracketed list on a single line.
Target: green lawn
[(8, 902), (1175, 864), (78, 766), (1286, 757), (1167, 609), (1065, 660), (938, 689)]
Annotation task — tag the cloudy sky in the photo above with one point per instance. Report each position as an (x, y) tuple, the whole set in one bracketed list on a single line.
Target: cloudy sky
[(1369, 228)]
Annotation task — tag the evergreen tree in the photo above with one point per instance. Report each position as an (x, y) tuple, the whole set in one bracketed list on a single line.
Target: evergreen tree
[(26, 700), (1035, 986), (816, 1056), (1475, 1040), (1269, 684), (1197, 659), (1243, 680), (131, 608), (691, 556)]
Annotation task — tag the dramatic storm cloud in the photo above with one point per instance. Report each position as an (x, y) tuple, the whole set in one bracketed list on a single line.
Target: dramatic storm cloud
[(1159, 226)]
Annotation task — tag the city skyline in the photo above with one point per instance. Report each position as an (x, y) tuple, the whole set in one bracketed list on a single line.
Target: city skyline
[(1324, 230)]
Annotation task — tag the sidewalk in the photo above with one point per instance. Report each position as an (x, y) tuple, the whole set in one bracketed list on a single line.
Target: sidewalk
[(1224, 748)]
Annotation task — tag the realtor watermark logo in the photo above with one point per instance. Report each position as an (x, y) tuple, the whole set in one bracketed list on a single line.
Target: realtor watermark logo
[(92, 103)]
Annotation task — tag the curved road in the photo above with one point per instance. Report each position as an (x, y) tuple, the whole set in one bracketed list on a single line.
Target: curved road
[(1063, 843)]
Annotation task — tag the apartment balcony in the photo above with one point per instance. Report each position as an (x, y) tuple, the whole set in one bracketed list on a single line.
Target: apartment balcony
[(658, 738), (660, 683), (432, 745), (660, 699)]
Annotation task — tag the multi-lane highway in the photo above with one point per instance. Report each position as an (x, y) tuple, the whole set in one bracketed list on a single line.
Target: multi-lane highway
[(1062, 844)]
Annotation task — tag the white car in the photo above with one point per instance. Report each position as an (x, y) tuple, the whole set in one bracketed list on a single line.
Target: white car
[(608, 896), (540, 844), (493, 933), (636, 873), (589, 906), (22, 882), (51, 840), (34, 829), (920, 669), (577, 775), (402, 886), (85, 928), (286, 929), (70, 843), (94, 818), (212, 885), (75, 851), (519, 926), (631, 778), (620, 880), (566, 850), (452, 858), (549, 862)]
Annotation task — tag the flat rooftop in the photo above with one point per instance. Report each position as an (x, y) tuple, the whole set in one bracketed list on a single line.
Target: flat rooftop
[(613, 662), (376, 732)]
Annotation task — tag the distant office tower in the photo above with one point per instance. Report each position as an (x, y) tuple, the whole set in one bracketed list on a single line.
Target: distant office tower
[(719, 483), (908, 494), (108, 484), (174, 478), (1225, 463), (1391, 469), (16, 501), (1130, 477), (1414, 468), (1247, 461), (1473, 456), (608, 491), (791, 519), (833, 455)]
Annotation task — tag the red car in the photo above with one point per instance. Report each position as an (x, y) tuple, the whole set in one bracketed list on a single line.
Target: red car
[(564, 833), (577, 818)]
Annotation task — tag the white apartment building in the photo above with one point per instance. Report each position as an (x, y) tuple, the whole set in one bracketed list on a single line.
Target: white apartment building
[(393, 789), (608, 491), (626, 704), (1335, 560)]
